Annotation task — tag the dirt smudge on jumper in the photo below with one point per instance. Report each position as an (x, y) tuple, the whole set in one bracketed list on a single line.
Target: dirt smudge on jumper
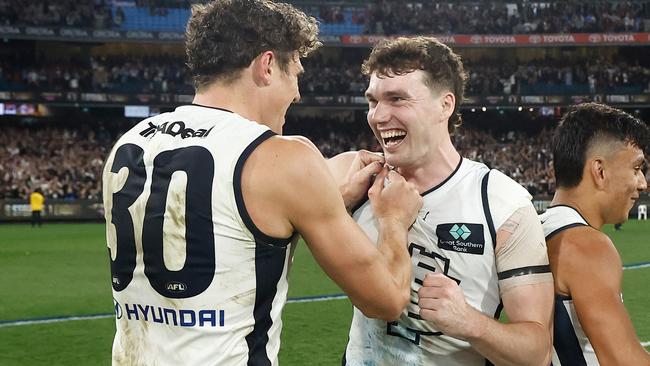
[(174, 225)]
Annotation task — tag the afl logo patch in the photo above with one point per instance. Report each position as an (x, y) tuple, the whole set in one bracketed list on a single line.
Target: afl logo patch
[(176, 286)]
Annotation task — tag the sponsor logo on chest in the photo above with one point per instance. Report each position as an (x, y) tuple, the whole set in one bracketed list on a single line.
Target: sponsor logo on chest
[(461, 237)]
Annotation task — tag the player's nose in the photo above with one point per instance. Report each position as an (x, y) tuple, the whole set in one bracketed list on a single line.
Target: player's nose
[(381, 113)]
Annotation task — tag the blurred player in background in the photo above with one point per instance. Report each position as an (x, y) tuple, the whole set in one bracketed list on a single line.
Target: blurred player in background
[(477, 245), (598, 155), (203, 204), (36, 203)]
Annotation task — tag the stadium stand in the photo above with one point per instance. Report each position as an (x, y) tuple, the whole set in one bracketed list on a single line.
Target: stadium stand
[(526, 81), (69, 13), (465, 17), (65, 161), (164, 74), (385, 17)]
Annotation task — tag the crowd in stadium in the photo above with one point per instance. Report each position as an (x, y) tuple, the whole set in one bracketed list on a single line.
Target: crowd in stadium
[(132, 74), (63, 163), (66, 163), (491, 17), (166, 74), (69, 13), (377, 17)]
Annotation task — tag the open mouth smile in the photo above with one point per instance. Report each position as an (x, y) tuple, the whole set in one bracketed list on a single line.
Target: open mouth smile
[(392, 137)]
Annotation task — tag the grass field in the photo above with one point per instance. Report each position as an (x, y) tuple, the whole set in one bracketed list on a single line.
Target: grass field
[(61, 270)]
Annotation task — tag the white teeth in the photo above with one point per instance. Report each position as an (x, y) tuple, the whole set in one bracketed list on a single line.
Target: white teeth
[(392, 133)]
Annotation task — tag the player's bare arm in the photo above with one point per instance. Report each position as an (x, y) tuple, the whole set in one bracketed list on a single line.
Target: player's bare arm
[(287, 187), (589, 269), (527, 301)]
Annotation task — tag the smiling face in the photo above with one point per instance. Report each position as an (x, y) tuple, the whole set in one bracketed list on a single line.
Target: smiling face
[(407, 117), (624, 181)]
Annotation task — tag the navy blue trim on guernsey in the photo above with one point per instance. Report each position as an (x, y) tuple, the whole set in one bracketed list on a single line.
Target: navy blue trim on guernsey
[(486, 209), (270, 255), (269, 265), (493, 235), (365, 199), (573, 208), (444, 181), (565, 340), (239, 197), (523, 271), (562, 228), (207, 106)]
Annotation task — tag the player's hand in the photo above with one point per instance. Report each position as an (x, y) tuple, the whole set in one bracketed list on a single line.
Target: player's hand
[(359, 177), (393, 198), (442, 302)]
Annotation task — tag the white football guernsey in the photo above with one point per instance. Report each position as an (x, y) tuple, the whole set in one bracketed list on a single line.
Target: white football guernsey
[(194, 281), (570, 343), (453, 234)]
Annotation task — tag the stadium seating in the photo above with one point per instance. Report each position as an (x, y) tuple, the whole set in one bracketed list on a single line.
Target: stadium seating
[(137, 18), (370, 17)]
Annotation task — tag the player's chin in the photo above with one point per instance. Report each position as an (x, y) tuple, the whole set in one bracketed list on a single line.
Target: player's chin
[(623, 217), (392, 159)]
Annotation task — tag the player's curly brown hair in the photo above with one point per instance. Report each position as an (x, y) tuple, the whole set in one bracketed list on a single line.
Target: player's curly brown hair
[(443, 67), (224, 36)]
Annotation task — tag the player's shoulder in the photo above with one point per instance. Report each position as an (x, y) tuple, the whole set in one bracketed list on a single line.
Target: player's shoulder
[(559, 218), (585, 238), (290, 172), (584, 257), (345, 158), (504, 196), (587, 248), (495, 182), (502, 185), (289, 157), (290, 148)]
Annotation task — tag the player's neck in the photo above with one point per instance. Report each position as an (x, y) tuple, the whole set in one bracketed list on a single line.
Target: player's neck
[(234, 97), (583, 201), (434, 169)]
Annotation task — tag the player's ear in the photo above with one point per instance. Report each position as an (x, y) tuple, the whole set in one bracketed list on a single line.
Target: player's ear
[(262, 67), (596, 170), (448, 101)]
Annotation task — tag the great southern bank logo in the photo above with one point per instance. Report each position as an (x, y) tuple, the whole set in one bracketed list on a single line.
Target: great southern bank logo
[(461, 237), (460, 231)]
